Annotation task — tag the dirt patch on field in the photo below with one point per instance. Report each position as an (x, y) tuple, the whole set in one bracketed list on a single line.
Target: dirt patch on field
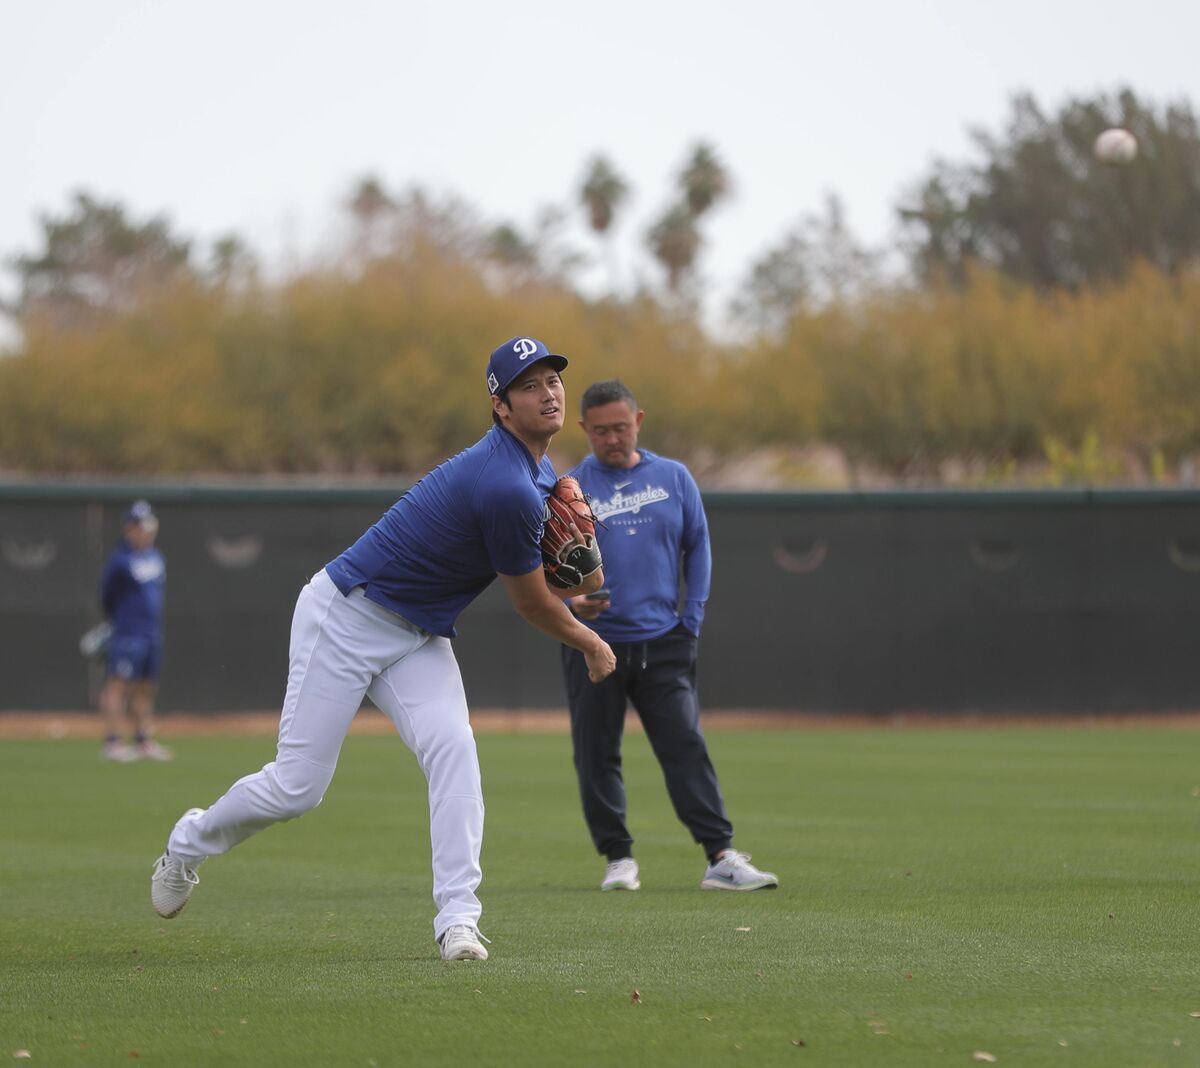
[(548, 721)]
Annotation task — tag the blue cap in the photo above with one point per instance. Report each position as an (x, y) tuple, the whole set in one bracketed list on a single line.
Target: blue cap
[(516, 355), (141, 512)]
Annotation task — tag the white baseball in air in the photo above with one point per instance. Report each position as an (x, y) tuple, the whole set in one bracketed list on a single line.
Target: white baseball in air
[(1115, 146)]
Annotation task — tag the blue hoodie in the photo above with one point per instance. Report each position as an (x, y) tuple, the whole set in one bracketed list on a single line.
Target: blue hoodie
[(131, 591), (654, 533)]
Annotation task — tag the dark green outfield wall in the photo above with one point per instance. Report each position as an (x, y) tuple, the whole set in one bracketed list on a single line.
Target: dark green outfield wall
[(1056, 601)]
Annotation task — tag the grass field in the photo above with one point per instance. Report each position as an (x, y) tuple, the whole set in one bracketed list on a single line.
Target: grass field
[(1028, 894)]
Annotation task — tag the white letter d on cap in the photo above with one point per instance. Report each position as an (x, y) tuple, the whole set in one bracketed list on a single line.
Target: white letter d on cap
[(524, 347)]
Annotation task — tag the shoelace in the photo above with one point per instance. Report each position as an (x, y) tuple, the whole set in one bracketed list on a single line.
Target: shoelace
[(176, 875), (475, 931), (735, 859)]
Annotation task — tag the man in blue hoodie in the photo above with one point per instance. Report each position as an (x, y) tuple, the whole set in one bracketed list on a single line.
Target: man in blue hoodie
[(131, 595), (652, 534)]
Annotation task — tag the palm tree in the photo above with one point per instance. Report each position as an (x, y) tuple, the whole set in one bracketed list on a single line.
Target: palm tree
[(231, 260), (369, 205), (602, 193), (675, 242), (704, 180)]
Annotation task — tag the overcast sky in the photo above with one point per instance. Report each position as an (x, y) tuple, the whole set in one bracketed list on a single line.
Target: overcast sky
[(257, 116)]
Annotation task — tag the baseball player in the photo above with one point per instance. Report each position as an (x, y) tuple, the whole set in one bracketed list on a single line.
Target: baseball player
[(377, 622), (652, 532), (131, 595)]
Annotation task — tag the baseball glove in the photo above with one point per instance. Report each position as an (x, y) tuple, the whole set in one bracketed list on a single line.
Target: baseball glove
[(95, 641), (565, 561)]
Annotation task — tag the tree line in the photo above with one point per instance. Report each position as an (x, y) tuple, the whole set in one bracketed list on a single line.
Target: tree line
[(1043, 329)]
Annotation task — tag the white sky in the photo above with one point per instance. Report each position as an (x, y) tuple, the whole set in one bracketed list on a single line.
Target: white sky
[(257, 116)]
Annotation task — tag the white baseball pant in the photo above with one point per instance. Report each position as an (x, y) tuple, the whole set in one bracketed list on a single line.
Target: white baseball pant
[(343, 648)]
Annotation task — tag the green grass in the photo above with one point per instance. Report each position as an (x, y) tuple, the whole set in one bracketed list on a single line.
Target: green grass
[(1029, 893)]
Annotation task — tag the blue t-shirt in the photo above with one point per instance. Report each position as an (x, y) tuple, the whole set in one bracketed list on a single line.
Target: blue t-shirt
[(652, 532), (479, 514), (131, 591)]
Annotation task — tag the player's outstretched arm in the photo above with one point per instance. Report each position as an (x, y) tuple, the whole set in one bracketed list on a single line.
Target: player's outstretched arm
[(534, 602)]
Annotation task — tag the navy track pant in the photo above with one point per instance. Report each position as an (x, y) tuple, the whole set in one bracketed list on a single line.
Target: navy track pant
[(659, 678)]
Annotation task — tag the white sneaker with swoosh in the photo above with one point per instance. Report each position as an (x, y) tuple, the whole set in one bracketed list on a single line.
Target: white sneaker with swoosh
[(733, 871), (621, 875)]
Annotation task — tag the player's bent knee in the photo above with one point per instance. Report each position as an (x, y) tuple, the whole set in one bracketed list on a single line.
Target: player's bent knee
[(292, 805), (451, 761), (295, 796), (452, 742)]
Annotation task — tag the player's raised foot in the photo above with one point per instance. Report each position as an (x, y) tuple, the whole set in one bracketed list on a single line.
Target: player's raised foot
[(733, 871), (621, 875), (152, 750), (461, 941), (118, 752), (174, 879), (172, 884)]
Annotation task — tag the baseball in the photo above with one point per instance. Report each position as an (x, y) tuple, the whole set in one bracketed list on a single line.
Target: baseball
[(1115, 146)]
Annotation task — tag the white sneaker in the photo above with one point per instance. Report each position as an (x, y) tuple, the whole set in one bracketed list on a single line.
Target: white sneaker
[(733, 871), (119, 752), (173, 880), (151, 750), (462, 942), (621, 875)]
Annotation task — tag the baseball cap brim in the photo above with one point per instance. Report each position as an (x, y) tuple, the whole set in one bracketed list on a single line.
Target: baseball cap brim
[(552, 358)]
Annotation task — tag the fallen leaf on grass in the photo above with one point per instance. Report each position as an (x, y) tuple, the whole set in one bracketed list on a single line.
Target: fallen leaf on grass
[(983, 1055), (218, 1032), (759, 973), (706, 1018), (908, 975), (1063, 1042), (22, 1054), (878, 1027), (1194, 1015), (741, 928), (798, 1042), (635, 998), (580, 991)]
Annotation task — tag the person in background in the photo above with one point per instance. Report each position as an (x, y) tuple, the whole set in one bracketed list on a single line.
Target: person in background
[(131, 595), (652, 532)]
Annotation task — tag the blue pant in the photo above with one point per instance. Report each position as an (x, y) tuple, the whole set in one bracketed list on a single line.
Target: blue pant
[(135, 657), (659, 677)]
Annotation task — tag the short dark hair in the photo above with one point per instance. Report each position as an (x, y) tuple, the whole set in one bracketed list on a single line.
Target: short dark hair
[(611, 389), (503, 395)]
